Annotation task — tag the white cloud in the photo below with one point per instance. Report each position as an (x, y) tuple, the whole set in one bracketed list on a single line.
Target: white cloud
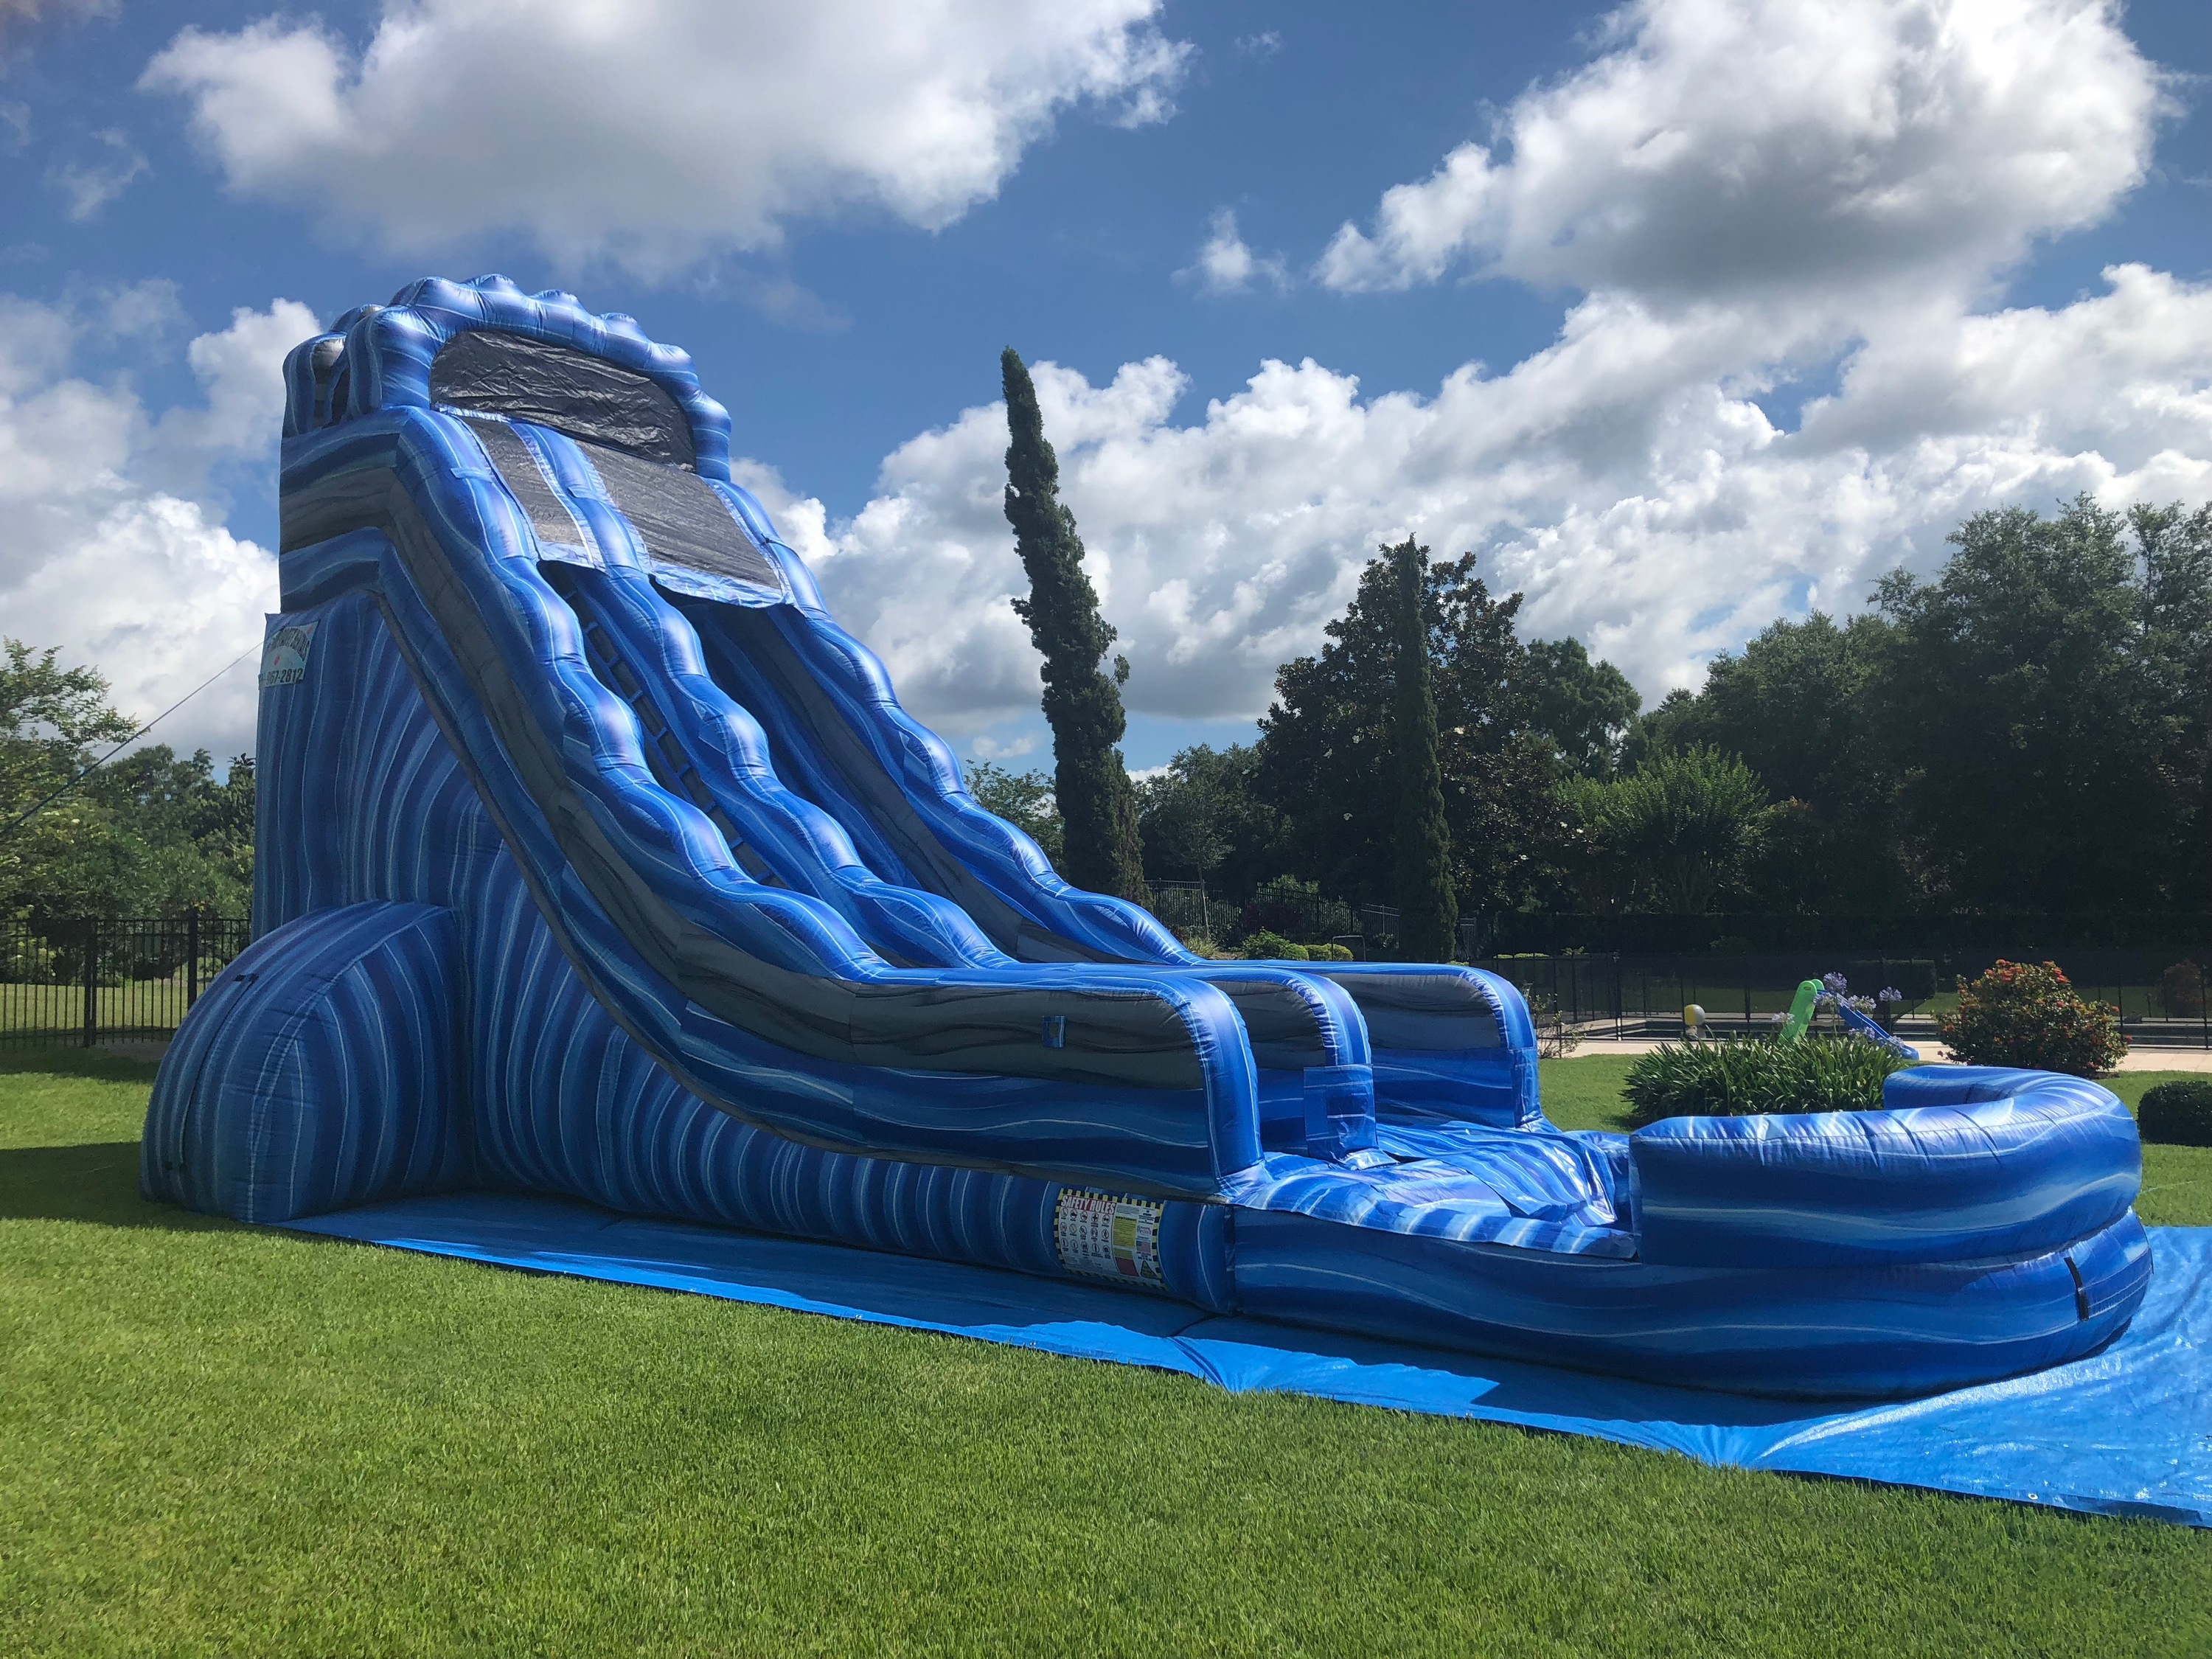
[(116, 550), (658, 131), (1786, 151), (1624, 477), (90, 183), (1748, 194), (1225, 264)]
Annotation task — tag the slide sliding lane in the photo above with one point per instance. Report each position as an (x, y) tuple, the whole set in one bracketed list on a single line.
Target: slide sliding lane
[(1447, 1042), (707, 750), (704, 747), (836, 725), (1307, 1038), (737, 984)]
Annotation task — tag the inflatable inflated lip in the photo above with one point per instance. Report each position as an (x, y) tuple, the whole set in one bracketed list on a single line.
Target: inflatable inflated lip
[(595, 859)]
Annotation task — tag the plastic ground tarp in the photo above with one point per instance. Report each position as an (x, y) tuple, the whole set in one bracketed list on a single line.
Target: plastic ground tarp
[(2127, 1432)]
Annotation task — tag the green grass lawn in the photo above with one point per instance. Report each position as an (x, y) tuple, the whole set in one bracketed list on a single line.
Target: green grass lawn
[(219, 1440)]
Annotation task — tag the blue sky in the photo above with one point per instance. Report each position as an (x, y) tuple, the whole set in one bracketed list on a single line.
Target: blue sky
[(1735, 306)]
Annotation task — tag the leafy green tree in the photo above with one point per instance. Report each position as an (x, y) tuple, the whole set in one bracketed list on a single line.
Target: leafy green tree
[(195, 835), (2176, 549), (1182, 814), (1684, 828), (148, 833), (1428, 908), (1670, 723), (1585, 707), (1327, 745), (54, 722), (1203, 819), (2041, 685), (1025, 800), (1098, 807), (1803, 704)]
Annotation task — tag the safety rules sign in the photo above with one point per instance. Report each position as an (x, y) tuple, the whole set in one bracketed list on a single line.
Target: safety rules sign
[(1108, 1237)]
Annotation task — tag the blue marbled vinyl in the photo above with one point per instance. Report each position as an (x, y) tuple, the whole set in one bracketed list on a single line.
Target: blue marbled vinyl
[(594, 859)]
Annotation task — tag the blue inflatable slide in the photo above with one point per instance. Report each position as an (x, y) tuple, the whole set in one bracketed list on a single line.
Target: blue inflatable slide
[(595, 859)]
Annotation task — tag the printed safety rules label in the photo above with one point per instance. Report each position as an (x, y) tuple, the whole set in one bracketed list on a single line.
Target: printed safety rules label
[(1108, 1237)]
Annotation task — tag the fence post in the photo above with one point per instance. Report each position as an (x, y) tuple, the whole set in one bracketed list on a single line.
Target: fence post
[(91, 981), (192, 959)]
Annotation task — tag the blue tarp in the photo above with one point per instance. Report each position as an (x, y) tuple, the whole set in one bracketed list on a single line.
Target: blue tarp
[(2127, 1432)]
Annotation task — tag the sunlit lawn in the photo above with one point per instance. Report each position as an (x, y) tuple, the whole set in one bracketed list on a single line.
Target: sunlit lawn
[(219, 1440)]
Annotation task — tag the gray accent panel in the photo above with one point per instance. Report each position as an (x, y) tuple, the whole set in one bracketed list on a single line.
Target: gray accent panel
[(1116, 1038), (518, 469), (1284, 1029), (557, 385), (681, 521), (1433, 1012)]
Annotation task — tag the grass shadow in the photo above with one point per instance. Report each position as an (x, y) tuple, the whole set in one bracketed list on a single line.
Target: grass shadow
[(97, 1183), (60, 1060), (91, 1180)]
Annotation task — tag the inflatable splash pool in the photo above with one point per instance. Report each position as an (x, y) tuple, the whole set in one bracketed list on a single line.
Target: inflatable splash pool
[(594, 859)]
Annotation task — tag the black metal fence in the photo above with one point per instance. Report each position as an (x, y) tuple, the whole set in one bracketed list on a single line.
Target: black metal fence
[(1508, 932), (2160, 992), (87, 981), (1296, 911)]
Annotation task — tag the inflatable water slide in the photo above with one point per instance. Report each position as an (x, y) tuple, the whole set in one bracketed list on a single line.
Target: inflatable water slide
[(595, 859)]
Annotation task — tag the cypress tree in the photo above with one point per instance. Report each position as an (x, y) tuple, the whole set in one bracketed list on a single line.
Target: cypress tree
[(1091, 786), (1428, 909)]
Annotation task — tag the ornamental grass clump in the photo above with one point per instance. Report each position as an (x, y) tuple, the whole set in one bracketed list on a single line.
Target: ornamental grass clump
[(2028, 1014), (1738, 1075)]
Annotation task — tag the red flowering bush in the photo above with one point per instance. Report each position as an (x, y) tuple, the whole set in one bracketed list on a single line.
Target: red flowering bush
[(2028, 1014)]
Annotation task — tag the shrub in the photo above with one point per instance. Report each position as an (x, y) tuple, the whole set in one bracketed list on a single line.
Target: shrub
[(1203, 944), (1264, 946), (2178, 1114), (2181, 990), (1555, 1038), (27, 959), (1737, 1076), (2028, 1014)]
